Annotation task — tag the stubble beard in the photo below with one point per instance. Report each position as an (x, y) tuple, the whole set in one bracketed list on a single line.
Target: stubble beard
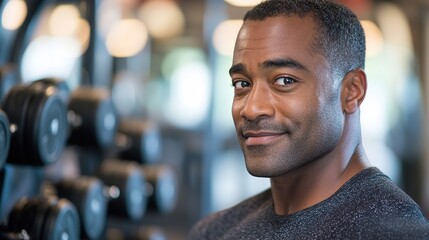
[(287, 155), (269, 161)]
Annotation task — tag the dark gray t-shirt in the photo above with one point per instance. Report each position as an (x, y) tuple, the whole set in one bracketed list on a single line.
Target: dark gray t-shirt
[(368, 206)]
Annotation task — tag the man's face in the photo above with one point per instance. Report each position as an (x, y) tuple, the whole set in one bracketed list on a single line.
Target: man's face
[(286, 108)]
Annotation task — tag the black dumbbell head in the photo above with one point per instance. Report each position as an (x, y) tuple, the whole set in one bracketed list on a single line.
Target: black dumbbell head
[(52, 127), (163, 182), (39, 121), (129, 179), (94, 122), (28, 214), (18, 214), (45, 218), (139, 141), (61, 221), (87, 194)]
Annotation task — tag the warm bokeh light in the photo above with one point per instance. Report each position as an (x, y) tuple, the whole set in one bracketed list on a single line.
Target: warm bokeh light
[(126, 38), (374, 38), (225, 35), (243, 3), (64, 21), (396, 29), (83, 34), (14, 14), (163, 18)]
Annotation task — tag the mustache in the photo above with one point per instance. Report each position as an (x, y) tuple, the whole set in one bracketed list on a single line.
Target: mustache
[(258, 126)]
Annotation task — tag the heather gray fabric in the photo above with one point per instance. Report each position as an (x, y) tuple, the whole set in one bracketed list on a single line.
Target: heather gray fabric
[(368, 206)]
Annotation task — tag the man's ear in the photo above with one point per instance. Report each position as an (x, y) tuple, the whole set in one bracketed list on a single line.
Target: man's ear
[(353, 90)]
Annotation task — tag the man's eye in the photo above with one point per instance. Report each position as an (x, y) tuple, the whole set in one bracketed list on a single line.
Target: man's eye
[(240, 84), (284, 80)]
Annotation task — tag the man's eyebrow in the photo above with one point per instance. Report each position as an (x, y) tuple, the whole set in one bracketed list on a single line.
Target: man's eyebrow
[(273, 63), (236, 68), (283, 62)]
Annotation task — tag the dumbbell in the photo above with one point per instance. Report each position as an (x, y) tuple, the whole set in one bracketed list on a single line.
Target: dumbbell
[(92, 117), (91, 114), (38, 124), (87, 193), (4, 138), (130, 181), (139, 141), (161, 187), (45, 218)]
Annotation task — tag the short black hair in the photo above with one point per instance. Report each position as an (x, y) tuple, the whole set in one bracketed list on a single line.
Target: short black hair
[(339, 34)]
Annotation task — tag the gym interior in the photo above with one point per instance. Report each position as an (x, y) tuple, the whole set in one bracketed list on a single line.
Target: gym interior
[(115, 114)]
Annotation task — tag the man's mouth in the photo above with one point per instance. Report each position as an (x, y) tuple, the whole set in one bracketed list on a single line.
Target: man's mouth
[(260, 137)]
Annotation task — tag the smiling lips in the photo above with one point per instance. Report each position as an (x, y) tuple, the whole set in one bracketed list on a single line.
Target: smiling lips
[(260, 138)]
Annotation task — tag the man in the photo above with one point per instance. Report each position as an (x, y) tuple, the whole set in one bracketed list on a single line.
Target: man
[(298, 78)]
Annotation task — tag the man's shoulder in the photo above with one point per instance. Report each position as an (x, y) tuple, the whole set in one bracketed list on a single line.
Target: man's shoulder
[(217, 222), (371, 191), (373, 187), (374, 206)]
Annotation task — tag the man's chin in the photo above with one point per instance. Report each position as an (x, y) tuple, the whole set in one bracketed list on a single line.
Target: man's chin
[(262, 172)]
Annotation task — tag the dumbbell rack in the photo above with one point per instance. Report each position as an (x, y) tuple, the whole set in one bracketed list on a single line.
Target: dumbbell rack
[(106, 193)]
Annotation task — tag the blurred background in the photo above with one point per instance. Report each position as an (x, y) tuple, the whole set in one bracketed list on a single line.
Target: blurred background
[(154, 75)]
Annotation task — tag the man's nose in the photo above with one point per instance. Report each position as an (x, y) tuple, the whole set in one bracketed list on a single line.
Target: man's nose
[(258, 104)]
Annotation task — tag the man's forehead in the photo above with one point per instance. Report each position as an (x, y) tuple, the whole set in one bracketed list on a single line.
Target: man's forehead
[(291, 37), (274, 31), (292, 20)]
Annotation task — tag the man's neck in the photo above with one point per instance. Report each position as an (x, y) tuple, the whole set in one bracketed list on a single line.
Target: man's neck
[(320, 179)]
